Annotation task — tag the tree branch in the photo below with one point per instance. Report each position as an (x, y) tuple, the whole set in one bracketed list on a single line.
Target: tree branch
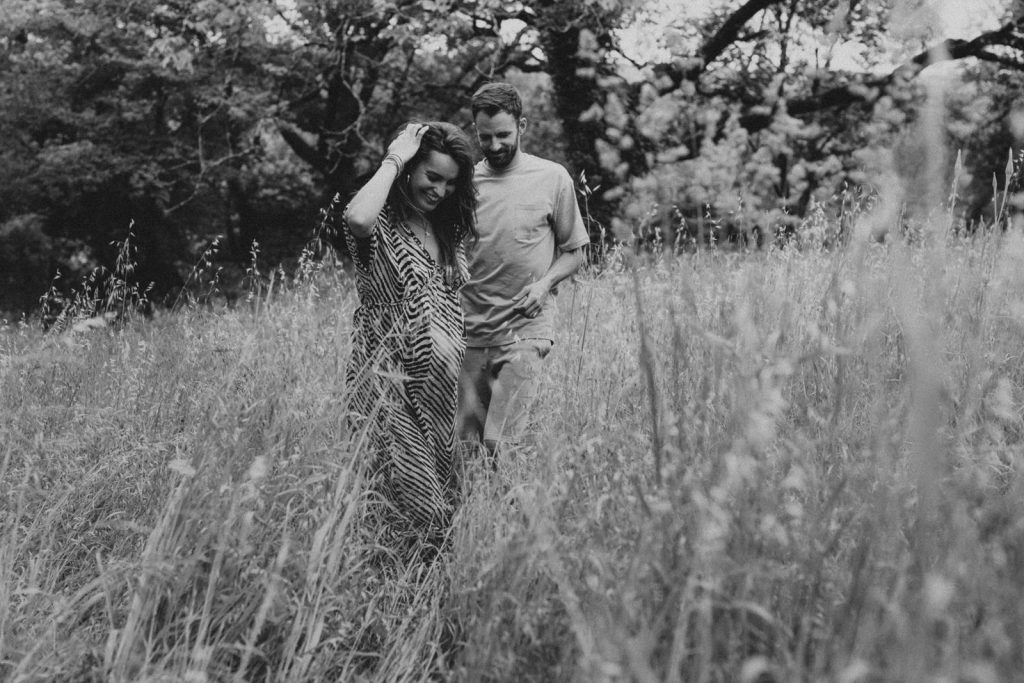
[(1008, 62), (204, 167), (303, 149), (869, 90), (727, 34)]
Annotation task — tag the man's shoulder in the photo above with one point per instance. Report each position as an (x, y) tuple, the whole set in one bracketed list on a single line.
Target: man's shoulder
[(533, 161), (546, 175)]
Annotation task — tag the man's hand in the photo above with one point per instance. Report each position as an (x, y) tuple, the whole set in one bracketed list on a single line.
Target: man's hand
[(531, 299)]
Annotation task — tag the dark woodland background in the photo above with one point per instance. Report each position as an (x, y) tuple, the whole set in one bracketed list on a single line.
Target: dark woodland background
[(217, 132)]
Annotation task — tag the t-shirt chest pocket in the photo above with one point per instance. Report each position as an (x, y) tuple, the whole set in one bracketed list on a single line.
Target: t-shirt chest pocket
[(531, 222)]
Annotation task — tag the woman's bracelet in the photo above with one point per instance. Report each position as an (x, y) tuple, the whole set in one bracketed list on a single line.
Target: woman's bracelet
[(396, 160)]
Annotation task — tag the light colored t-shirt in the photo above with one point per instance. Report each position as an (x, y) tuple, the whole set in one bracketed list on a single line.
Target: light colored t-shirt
[(525, 212)]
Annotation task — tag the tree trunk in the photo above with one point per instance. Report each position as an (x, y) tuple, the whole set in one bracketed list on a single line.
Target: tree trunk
[(573, 95)]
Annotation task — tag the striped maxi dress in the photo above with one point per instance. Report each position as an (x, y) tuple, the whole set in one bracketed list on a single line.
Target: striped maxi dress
[(408, 344)]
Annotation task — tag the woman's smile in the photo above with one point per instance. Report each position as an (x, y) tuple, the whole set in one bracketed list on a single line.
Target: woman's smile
[(437, 171)]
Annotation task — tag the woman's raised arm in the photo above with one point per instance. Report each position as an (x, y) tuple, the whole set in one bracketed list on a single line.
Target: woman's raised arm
[(361, 213)]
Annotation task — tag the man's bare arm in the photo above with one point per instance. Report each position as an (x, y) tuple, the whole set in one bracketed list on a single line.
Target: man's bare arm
[(531, 298)]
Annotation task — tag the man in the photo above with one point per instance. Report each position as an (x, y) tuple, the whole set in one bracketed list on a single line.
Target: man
[(532, 237)]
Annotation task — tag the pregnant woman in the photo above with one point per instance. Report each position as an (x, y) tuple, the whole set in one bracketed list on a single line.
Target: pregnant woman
[(405, 229)]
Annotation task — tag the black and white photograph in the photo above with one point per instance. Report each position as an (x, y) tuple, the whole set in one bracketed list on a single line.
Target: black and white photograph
[(487, 341)]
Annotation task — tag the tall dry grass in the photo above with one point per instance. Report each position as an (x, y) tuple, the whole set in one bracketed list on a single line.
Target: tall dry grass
[(788, 465)]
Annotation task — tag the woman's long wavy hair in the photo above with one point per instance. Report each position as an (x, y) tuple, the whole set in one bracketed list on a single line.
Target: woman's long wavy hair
[(454, 218)]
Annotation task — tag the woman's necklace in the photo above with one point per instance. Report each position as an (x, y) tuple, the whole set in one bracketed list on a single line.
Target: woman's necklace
[(420, 227)]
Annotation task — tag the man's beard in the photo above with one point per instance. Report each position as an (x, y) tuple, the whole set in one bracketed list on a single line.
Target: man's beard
[(501, 159)]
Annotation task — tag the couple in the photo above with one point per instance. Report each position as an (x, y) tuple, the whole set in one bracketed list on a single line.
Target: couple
[(447, 259)]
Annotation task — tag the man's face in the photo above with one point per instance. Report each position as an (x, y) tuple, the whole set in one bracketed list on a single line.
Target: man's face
[(498, 136)]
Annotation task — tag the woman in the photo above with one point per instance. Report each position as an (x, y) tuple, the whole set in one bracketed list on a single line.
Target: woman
[(405, 230)]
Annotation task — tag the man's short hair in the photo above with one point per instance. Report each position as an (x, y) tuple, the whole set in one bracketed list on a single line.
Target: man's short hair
[(493, 98)]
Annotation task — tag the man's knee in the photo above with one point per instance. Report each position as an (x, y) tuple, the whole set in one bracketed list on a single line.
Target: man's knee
[(515, 391), (469, 418), (469, 429), (491, 446), (471, 410)]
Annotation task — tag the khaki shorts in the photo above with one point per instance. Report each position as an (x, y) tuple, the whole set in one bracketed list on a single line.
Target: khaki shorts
[(497, 386)]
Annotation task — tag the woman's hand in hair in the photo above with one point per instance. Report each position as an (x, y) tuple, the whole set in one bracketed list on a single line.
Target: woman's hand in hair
[(407, 143), (361, 213)]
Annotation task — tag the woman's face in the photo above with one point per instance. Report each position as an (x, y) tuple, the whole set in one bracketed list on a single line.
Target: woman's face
[(432, 180)]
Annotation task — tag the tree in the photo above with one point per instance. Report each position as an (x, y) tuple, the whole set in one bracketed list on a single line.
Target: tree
[(220, 119), (360, 69), (750, 121), (237, 121), (129, 114), (986, 124)]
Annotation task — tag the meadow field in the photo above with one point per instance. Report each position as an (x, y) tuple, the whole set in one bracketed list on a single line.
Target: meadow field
[(781, 465)]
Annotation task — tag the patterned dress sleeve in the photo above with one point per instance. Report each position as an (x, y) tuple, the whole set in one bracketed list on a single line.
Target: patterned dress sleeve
[(364, 249), (460, 274)]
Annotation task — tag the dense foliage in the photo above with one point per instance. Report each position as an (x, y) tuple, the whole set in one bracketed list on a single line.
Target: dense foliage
[(233, 122)]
